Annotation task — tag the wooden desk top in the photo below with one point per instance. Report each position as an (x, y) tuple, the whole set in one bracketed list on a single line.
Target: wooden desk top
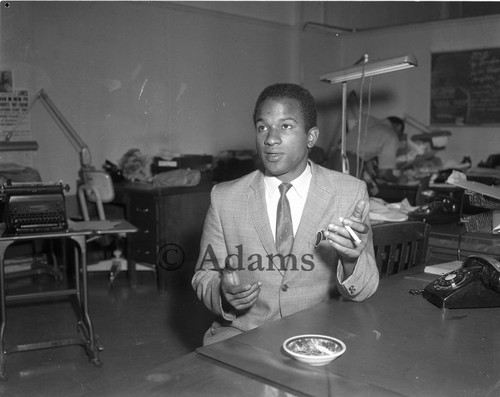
[(397, 344), (148, 189), (448, 238)]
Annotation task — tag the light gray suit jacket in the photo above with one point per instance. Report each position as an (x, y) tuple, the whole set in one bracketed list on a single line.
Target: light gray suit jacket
[(237, 225)]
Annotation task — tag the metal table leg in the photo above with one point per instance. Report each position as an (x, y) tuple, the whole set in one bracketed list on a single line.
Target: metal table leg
[(4, 244), (85, 327)]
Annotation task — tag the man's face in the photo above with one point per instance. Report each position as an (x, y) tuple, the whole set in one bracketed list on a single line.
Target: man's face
[(282, 140)]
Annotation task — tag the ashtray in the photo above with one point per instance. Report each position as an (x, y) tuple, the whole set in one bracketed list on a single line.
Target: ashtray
[(314, 349)]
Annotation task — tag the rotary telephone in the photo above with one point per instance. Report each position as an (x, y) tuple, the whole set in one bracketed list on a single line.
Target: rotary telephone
[(439, 210), (476, 284)]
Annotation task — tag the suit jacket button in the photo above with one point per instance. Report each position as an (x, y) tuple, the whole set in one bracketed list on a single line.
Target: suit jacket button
[(284, 287)]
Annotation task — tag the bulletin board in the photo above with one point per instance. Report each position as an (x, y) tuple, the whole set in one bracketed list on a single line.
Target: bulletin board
[(465, 87)]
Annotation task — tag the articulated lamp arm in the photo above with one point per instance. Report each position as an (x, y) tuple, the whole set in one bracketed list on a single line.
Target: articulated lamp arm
[(416, 124), (71, 135), (437, 138), (78, 144), (97, 186)]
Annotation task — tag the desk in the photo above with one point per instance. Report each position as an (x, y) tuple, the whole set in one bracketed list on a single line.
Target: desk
[(168, 219), (446, 239), (87, 337), (397, 344)]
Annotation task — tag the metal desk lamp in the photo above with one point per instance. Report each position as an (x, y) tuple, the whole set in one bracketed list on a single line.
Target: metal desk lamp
[(96, 184), (365, 69)]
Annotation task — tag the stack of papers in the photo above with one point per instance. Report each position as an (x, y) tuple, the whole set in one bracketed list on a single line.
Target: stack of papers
[(443, 268)]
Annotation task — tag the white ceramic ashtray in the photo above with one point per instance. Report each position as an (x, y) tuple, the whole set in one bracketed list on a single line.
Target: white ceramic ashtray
[(314, 349)]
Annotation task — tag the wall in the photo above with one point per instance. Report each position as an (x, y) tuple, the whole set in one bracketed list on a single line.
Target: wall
[(152, 75), (408, 91), (183, 76), (285, 12), (359, 15), (321, 52)]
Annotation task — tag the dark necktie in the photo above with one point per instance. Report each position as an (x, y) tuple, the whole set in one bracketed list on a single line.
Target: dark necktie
[(284, 227)]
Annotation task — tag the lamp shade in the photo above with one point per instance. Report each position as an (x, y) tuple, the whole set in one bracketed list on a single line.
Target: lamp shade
[(18, 146), (368, 68)]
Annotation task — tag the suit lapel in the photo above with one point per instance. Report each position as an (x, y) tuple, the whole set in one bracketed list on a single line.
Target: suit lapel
[(258, 212), (318, 199)]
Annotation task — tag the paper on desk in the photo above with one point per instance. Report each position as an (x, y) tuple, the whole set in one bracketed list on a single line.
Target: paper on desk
[(443, 268), (380, 210), (459, 179)]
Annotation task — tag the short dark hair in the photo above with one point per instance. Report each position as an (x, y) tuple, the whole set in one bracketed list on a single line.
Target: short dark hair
[(292, 91), (397, 122)]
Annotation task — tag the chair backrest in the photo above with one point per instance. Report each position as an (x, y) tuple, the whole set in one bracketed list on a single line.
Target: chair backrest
[(100, 182), (98, 188), (400, 245)]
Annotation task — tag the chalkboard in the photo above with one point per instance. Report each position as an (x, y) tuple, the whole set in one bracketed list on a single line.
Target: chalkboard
[(465, 87)]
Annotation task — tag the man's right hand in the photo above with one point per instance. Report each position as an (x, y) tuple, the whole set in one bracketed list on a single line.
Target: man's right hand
[(239, 296)]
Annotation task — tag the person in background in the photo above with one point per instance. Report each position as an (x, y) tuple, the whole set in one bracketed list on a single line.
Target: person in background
[(261, 256), (373, 145)]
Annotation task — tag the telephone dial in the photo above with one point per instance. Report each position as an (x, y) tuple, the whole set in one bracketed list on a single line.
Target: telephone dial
[(476, 284)]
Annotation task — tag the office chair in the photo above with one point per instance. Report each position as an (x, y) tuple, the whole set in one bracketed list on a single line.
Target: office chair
[(400, 245), (97, 187)]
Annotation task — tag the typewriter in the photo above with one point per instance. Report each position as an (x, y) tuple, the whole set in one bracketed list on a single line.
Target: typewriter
[(34, 207)]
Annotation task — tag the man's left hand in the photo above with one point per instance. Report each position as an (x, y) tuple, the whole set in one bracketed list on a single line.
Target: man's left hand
[(340, 238)]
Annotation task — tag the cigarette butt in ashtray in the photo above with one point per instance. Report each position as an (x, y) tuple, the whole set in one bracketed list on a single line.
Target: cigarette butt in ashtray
[(351, 232)]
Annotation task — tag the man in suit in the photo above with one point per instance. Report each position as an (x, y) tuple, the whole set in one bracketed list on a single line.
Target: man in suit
[(248, 277)]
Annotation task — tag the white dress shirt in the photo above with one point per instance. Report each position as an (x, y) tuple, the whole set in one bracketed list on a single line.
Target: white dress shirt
[(297, 196)]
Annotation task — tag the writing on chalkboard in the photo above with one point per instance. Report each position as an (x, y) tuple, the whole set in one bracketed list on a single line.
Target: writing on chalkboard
[(465, 87)]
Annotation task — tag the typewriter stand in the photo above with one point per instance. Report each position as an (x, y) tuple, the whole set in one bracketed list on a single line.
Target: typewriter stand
[(85, 329)]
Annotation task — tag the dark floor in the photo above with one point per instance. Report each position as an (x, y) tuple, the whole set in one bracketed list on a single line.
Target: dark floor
[(137, 328)]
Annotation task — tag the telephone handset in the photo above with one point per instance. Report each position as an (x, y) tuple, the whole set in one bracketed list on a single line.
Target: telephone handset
[(475, 284)]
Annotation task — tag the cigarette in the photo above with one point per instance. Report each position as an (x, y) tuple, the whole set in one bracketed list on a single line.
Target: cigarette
[(351, 232)]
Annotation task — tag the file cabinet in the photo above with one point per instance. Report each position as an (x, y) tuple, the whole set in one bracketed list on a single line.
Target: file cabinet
[(169, 222)]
